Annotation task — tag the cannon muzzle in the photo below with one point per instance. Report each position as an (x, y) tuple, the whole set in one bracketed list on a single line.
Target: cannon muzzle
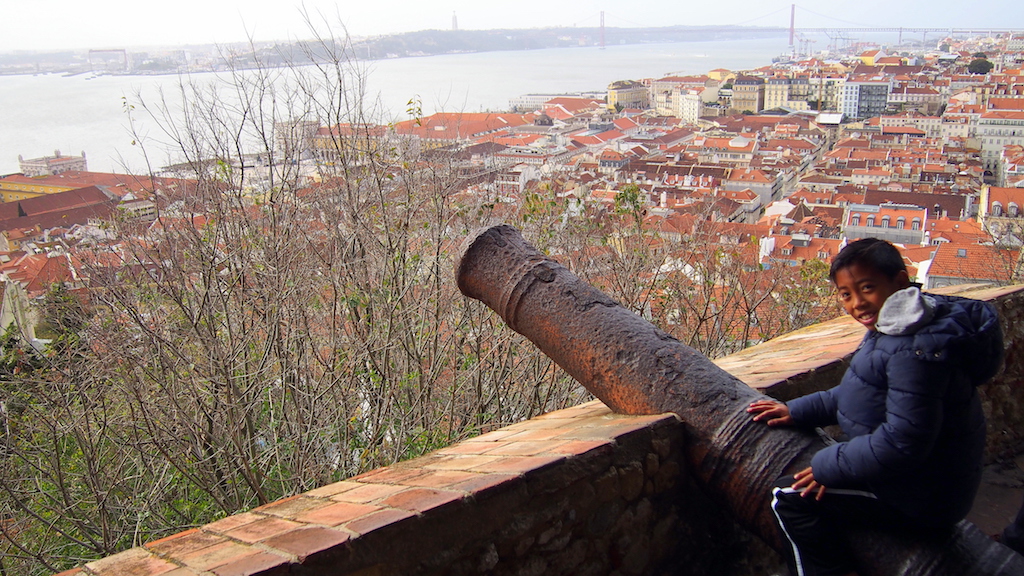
[(635, 368)]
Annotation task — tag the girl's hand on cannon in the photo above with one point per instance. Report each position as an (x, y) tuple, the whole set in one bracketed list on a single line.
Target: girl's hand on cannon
[(772, 412)]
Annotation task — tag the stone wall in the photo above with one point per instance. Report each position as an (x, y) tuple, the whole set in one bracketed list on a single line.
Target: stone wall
[(578, 491)]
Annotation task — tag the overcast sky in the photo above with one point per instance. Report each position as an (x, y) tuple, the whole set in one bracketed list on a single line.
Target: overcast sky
[(63, 24)]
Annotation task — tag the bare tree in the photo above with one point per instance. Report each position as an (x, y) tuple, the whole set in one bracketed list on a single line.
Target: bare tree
[(283, 324)]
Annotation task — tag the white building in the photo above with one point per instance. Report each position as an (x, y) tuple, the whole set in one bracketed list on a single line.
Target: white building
[(865, 97), (997, 129), (52, 165)]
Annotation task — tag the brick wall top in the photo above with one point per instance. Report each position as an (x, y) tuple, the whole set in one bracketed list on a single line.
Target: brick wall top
[(316, 527)]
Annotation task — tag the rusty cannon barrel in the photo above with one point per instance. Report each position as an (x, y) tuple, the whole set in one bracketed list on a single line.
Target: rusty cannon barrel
[(635, 368)]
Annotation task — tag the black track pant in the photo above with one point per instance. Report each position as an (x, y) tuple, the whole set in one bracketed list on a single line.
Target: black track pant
[(814, 529)]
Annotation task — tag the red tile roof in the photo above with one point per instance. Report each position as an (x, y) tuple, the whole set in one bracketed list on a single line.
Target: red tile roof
[(460, 126), (37, 272), (1004, 114), (59, 209), (116, 184), (757, 176), (974, 262)]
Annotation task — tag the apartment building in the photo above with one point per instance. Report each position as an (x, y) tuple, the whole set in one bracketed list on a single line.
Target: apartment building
[(924, 99), (748, 94), (1001, 213), (667, 92), (932, 126), (897, 223), (865, 96), (826, 90), (790, 93), (996, 130)]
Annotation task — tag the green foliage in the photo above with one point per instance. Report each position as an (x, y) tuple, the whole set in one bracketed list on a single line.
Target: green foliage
[(980, 66), (414, 109), (537, 206), (15, 357), (629, 200)]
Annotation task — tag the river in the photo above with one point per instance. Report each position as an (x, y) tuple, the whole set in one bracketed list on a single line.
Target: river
[(40, 114)]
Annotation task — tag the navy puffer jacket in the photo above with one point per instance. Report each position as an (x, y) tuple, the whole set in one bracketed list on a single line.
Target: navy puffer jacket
[(908, 404)]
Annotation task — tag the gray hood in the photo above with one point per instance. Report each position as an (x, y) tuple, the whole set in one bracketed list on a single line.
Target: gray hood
[(905, 312)]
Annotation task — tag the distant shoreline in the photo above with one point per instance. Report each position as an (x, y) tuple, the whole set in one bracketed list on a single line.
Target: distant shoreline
[(218, 58), (52, 112)]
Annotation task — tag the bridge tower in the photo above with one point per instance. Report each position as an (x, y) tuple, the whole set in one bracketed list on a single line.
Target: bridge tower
[(792, 27), (602, 29)]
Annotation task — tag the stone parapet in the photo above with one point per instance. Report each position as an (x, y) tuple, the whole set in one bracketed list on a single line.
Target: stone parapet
[(577, 491)]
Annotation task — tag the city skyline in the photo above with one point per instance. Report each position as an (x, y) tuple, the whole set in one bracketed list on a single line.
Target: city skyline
[(67, 25)]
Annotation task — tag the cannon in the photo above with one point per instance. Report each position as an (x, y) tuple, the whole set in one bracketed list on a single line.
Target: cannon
[(635, 368)]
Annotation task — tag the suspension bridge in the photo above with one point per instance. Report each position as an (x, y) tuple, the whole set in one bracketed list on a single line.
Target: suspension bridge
[(841, 30)]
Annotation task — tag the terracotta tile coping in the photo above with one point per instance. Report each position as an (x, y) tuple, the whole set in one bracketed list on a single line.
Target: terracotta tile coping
[(325, 520)]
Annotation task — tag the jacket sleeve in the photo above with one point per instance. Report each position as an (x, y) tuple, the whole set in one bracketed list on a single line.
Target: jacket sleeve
[(913, 419), (817, 409)]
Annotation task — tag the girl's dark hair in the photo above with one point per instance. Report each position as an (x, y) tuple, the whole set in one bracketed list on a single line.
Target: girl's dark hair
[(873, 252)]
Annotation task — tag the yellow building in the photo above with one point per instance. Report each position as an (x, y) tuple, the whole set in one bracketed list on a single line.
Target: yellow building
[(869, 57), (787, 92), (748, 94), (722, 75), (21, 187), (628, 94)]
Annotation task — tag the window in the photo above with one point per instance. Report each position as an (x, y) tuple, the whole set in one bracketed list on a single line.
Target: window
[(1012, 210), (901, 223), (855, 221), (885, 221), (997, 209), (871, 221), (787, 251)]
